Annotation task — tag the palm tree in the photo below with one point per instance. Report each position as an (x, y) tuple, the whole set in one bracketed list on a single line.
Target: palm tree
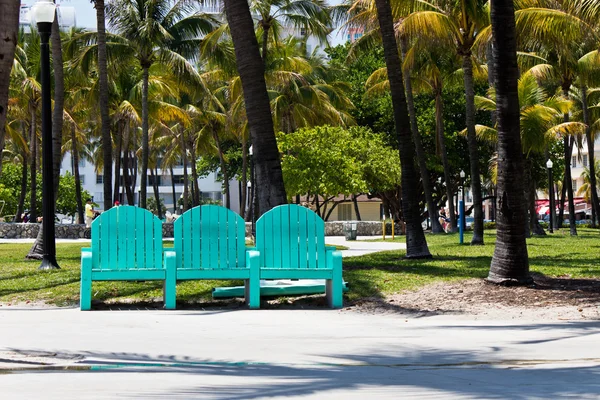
[(510, 262), (252, 74), (157, 31), (308, 17), (416, 244), (102, 61), (564, 31), (458, 25), (586, 190), (9, 29)]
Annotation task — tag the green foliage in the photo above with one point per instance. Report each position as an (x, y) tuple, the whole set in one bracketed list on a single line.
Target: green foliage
[(152, 206), (10, 181), (328, 161), (376, 113)]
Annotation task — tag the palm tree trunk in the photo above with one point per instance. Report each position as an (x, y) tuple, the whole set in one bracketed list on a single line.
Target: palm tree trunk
[(126, 179), (196, 189), (103, 94), (23, 191), (269, 177), (145, 145), (59, 102), (416, 244), (75, 155), (439, 124), (244, 188), (185, 173), (568, 148), (9, 32), (173, 190), (118, 146), (561, 210), (32, 168), (436, 227), (223, 169), (154, 175), (591, 157), (473, 151), (510, 262)]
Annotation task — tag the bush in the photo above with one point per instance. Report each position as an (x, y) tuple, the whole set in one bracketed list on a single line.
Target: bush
[(489, 225)]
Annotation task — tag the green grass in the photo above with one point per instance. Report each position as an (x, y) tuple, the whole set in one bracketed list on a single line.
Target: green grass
[(370, 275)]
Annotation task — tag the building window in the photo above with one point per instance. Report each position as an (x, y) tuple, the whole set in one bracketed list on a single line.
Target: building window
[(82, 179), (155, 178), (574, 185), (178, 179), (349, 37), (81, 162), (99, 179), (585, 160), (357, 36), (344, 212), (574, 162), (302, 32)]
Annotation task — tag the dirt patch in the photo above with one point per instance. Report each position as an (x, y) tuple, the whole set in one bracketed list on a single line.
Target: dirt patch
[(545, 299)]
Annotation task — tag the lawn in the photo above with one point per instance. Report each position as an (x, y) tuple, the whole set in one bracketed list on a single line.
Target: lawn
[(371, 275)]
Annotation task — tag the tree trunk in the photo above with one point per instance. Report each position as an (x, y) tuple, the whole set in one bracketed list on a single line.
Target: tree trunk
[(439, 125), (173, 188), (9, 34), (510, 262), (185, 173), (196, 189), (356, 209), (436, 227), (568, 149), (126, 179), (269, 177), (118, 146), (561, 210), (21, 203), (591, 157), (145, 144), (75, 155), (103, 94), (473, 151), (154, 175), (416, 244), (244, 187), (32, 167), (223, 170)]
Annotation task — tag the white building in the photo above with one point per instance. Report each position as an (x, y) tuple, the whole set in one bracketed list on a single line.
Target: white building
[(210, 187)]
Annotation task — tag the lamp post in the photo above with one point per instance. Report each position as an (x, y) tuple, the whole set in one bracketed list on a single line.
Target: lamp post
[(43, 13), (462, 210), (550, 196)]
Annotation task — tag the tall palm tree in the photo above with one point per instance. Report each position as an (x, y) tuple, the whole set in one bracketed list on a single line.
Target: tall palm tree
[(157, 31), (458, 25), (510, 262), (585, 189), (9, 32), (102, 61), (307, 17), (269, 177), (416, 244)]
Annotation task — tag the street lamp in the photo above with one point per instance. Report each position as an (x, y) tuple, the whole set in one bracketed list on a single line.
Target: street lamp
[(43, 13), (462, 211), (550, 196)]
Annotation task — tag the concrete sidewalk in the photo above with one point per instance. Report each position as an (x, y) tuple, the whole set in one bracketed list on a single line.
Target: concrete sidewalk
[(318, 354)]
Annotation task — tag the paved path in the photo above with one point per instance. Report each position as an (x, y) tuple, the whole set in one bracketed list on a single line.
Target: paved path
[(364, 244), (276, 354)]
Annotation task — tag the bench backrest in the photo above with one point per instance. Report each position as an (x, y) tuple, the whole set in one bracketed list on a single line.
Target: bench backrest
[(291, 236), (125, 238), (210, 237)]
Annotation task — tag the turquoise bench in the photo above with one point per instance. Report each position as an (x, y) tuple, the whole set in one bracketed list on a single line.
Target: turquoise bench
[(291, 243), (126, 246), (210, 243)]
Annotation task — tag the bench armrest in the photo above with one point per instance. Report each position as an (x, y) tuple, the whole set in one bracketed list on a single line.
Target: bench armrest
[(330, 248), (86, 250)]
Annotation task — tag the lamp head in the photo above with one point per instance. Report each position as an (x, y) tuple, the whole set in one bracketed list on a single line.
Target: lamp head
[(549, 164), (43, 11), (462, 173)]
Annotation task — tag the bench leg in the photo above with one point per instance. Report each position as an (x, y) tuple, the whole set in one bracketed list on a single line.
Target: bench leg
[(252, 285), (85, 293), (334, 286), (170, 284)]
